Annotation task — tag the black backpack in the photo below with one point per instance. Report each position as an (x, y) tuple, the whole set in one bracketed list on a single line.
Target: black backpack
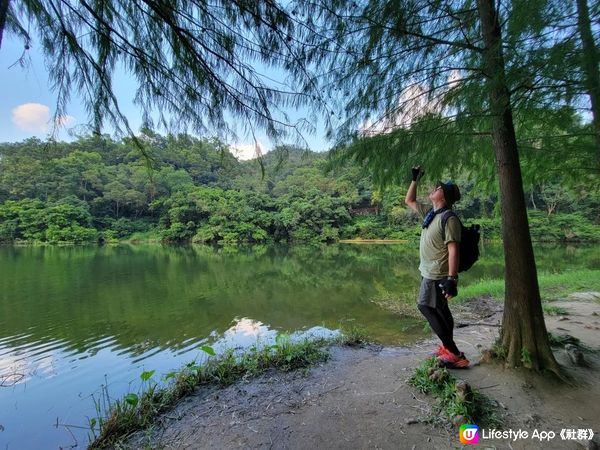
[(469, 242)]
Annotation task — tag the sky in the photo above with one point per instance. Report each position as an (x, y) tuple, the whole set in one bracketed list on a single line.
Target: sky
[(27, 104), (26, 101)]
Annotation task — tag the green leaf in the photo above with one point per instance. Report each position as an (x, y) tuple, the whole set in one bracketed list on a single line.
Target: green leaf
[(208, 350), (170, 375), (191, 365), (146, 375), (282, 338), (132, 399)]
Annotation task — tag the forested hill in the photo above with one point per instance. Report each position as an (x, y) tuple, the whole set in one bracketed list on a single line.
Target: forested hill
[(186, 189)]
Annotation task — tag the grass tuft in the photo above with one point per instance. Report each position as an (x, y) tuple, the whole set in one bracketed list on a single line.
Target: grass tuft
[(473, 406), (353, 336), (552, 310), (499, 350)]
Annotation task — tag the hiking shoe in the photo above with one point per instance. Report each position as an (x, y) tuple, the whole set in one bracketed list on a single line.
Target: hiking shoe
[(445, 354), (452, 361), (441, 350)]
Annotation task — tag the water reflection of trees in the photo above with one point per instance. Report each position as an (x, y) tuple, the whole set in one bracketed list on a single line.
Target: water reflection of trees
[(152, 296)]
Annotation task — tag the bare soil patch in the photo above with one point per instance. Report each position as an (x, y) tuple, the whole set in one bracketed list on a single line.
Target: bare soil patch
[(360, 398)]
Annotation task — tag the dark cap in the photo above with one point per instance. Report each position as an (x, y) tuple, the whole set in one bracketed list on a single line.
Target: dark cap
[(451, 192)]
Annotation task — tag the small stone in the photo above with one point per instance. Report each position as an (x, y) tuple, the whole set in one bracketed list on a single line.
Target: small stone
[(437, 376), (463, 391), (532, 419), (487, 356), (411, 421), (459, 420)]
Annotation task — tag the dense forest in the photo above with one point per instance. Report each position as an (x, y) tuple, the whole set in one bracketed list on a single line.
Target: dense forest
[(182, 189)]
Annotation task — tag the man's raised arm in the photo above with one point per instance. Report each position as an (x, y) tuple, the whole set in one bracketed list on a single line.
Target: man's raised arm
[(411, 194)]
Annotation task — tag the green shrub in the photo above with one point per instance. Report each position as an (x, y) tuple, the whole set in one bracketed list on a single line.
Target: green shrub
[(72, 233), (178, 232), (302, 234), (67, 220), (572, 227), (125, 227), (204, 234)]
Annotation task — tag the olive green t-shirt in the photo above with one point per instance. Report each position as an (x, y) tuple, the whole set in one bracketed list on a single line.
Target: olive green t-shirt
[(433, 249)]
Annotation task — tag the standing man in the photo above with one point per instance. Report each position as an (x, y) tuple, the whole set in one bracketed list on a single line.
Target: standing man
[(439, 255)]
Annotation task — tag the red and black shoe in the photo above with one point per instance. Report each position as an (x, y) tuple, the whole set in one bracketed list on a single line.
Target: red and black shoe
[(439, 351), (452, 361)]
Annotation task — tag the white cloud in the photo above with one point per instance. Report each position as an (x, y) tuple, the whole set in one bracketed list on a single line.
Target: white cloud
[(32, 117), (63, 121), (248, 151), (35, 118)]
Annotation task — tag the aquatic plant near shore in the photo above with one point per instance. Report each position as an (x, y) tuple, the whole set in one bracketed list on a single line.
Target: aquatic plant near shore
[(118, 419)]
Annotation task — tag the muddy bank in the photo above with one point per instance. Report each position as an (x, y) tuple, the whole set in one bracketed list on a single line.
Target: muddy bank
[(360, 399)]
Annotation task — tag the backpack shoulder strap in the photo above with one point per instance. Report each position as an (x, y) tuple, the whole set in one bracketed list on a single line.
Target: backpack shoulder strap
[(445, 216)]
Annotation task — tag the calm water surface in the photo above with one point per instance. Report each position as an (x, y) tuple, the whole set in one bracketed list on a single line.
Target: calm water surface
[(75, 319)]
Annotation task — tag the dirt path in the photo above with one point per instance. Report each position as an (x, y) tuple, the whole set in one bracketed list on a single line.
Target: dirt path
[(359, 399)]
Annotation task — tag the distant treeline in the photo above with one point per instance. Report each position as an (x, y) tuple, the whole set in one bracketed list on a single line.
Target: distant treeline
[(186, 189)]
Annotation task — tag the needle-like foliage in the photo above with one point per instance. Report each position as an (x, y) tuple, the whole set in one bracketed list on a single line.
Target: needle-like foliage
[(201, 65)]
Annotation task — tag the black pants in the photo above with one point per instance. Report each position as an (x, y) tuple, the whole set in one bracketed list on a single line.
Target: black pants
[(441, 321)]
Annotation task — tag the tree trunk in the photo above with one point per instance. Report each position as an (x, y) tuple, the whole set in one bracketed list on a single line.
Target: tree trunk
[(523, 334), (590, 66), (3, 14), (533, 200)]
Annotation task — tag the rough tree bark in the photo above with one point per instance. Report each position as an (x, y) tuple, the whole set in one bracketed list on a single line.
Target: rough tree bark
[(590, 66), (523, 334)]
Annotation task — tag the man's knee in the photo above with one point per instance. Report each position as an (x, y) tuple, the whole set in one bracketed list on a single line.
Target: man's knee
[(425, 310)]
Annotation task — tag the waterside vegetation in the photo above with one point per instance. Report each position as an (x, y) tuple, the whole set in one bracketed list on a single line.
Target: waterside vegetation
[(119, 418), (186, 189)]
